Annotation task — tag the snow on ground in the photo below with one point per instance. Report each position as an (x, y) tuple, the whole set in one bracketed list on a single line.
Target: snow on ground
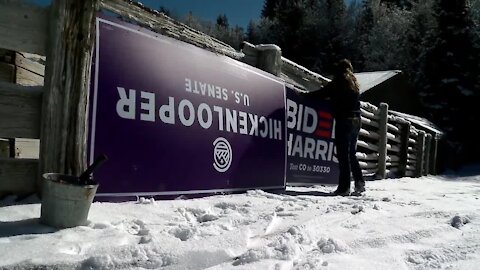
[(408, 223)]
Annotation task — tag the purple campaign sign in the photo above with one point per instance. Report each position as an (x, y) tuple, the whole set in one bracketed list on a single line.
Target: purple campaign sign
[(311, 148), (176, 119)]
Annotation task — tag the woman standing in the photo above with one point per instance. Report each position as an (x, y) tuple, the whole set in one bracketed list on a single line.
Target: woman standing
[(343, 91)]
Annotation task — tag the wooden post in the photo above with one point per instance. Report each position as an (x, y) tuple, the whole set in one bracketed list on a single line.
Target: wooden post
[(420, 153), (64, 108), (382, 141), (251, 54), (269, 58), (433, 155), (404, 135), (428, 142), (11, 148)]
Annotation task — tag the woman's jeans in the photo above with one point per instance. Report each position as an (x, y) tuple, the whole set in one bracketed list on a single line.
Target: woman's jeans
[(346, 135)]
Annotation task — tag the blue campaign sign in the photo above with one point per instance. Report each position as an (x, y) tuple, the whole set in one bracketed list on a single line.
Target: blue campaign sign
[(310, 140)]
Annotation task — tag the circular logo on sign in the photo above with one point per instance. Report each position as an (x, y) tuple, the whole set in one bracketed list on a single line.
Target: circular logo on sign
[(222, 154)]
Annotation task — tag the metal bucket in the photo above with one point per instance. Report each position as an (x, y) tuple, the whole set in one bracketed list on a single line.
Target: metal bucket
[(65, 203)]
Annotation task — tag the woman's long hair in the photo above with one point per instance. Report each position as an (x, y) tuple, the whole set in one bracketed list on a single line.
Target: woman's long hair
[(344, 72)]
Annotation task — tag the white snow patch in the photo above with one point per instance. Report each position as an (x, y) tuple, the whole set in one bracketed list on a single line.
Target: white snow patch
[(430, 222)]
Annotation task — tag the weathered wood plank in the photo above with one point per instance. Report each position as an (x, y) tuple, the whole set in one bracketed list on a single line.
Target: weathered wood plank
[(64, 108), (393, 148), (369, 107), (369, 172), (366, 145), (392, 164), (369, 134), (23, 27), (363, 156), (367, 165), (27, 148), (393, 158), (394, 138), (18, 175), (368, 114), (27, 78), (393, 128), (32, 66), (404, 142), (382, 141), (20, 108), (428, 145), (366, 121), (420, 149), (397, 119)]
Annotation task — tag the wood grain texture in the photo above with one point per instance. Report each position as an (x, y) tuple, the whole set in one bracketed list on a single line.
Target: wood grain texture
[(27, 78), (18, 175), (382, 141), (67, 78), (23, 27), (27, 64), (20, 108)]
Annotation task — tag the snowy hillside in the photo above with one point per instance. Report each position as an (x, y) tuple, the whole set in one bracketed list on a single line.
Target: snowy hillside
[(424, 223)]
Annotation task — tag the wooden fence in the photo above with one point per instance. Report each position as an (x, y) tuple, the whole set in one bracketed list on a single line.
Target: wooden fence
[(391, 146), (56, 112)]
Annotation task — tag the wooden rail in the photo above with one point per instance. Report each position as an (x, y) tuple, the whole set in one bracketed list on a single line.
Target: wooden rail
[(23, 27), (20, 108)]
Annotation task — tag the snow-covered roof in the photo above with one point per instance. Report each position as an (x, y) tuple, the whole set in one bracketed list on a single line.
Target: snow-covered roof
[(424, 123), (368, 80)]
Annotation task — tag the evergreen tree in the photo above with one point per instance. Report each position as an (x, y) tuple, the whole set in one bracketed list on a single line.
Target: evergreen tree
[(287, 24), (252, 32), (222, 21), (364, 27), (452, 80), (165, 11), (399, 3), (385, 47), (335, 14), (268, 10), (421, 34), (220, 30)]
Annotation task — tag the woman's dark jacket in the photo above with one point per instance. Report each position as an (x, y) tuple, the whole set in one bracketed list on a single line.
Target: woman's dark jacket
[(344, 100)]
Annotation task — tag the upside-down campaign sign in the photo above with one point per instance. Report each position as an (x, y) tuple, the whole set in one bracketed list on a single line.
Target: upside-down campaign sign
[(311, 148), (176, 119)]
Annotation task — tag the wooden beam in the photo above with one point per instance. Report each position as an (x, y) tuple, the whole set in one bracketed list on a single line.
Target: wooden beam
[(18, 176), (67, 81), (372, 123), (420, 148), (404, 138), (27, 78), (27, 148), (20, 108), (428, 146), (23, 27), (27, 64), (433, 156)]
